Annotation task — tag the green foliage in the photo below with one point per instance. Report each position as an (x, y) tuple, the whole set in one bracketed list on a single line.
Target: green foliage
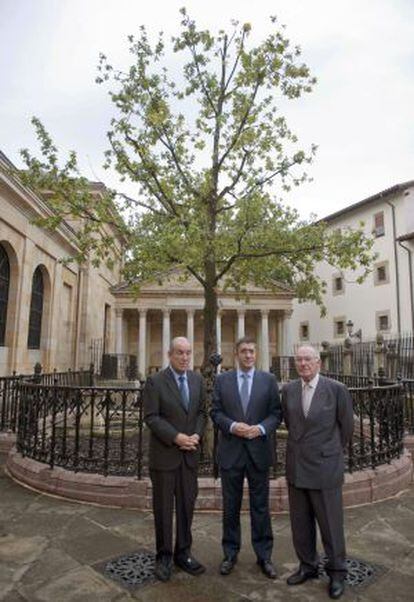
[(206, 144)]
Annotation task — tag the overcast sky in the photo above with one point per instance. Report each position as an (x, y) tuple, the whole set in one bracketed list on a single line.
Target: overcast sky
[(361, 114)]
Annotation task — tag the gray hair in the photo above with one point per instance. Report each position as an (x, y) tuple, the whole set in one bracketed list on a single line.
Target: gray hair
[(175, 341), (311, 349)]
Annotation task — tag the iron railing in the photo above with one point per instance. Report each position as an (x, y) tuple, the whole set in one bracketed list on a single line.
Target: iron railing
[(378, 426), (10, 390), (101, 429)]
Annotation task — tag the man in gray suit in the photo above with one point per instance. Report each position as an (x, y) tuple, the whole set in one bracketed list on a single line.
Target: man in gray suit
[(247, 410), (175, 413), (318, 413)]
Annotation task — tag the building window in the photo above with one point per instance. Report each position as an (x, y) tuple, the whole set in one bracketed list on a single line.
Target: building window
[(4, 292), (383, 321), (339, 326), (379, 229), (381, 273), (304, 331), (36, 310), (338, 287)]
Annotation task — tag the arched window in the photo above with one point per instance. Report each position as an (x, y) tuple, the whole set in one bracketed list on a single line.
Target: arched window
[(36, 310), (4, 292)]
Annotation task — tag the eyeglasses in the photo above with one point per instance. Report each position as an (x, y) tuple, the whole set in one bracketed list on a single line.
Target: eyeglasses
[(306, 359)]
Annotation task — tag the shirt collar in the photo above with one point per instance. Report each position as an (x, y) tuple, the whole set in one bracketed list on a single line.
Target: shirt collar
[(250, 373), (312, 383), (178, 374)]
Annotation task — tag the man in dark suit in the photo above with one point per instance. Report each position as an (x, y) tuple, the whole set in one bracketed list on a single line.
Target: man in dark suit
[(247, 410), (174, 405), (318, 413)]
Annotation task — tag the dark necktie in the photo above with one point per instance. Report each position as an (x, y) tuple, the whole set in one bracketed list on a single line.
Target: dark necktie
[(184, 392), (244, 392)]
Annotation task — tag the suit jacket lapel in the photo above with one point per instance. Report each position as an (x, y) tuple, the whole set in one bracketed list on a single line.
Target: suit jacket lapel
[(253, 395), (317, 398), (172, 383), (192, 390), (237, 398)]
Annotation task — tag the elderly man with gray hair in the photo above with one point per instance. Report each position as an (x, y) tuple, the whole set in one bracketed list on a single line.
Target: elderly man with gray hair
[(318, 414), (175, 413)]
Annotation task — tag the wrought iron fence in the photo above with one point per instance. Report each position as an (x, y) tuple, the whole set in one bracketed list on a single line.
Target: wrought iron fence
[(10, 390), (101, 429), (408, 385), (379, 426)]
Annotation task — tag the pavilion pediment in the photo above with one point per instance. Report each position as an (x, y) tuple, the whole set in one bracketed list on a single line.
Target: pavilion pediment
[(176, 282)]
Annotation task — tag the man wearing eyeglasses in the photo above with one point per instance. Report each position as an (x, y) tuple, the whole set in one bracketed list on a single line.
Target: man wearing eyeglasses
[(318, 414)]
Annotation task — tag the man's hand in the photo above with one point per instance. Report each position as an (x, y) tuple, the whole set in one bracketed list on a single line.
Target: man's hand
[(253, 432), (240, 429), (187, 442)]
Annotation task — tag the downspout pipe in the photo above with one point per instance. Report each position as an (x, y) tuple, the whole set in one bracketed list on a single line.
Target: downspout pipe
[(410, 276), (397, 275)]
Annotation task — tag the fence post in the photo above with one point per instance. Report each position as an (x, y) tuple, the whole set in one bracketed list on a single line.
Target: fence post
[(392, 360), (37, 372), (348, 356), (379, 354), (325, 356), (91, 375)]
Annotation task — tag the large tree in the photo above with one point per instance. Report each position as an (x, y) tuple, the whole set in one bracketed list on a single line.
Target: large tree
[(211, 153)]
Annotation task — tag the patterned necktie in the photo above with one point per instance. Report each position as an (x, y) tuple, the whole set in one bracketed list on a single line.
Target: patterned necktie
[(184, 392), (244, 392), (306, 398)]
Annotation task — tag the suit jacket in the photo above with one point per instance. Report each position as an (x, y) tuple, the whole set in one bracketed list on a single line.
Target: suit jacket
[(264, 408), (166, 416), (314, 454)]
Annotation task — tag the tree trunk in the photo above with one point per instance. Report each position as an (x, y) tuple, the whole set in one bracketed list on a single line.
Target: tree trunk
[(210, 317)]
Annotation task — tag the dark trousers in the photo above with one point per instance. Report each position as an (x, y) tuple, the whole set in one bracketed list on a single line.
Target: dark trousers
[(261, 528), (167, 485), (324, 506)]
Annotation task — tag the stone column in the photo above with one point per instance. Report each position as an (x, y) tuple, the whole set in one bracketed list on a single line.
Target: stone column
[(287, 341), (240, 323), (142, 343), (265, 340), (165, 336), (118, 330), (190, 334)]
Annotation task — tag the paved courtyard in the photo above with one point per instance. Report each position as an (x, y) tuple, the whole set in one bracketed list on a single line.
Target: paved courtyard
[(52, 550)]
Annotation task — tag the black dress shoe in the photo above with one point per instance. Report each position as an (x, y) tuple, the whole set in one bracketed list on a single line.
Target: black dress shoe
[(268, 568), (336, 588), (227, 565), (300, 576), (190, 565), (163, 569)]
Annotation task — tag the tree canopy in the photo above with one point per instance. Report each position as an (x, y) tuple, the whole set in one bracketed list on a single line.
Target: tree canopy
[(212, 156)]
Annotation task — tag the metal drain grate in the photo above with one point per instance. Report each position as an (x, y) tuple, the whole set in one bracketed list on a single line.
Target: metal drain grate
[(359, 572), (130, 570)]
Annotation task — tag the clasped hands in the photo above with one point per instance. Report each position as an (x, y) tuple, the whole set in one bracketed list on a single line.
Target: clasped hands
[(247, 431), (187, 442)]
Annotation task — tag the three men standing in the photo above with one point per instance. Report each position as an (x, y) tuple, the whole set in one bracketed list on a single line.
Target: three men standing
[(246, 408), (318, 414), (175, 413)]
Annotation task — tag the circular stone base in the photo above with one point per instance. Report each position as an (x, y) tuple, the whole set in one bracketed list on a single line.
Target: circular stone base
[(363, 487)]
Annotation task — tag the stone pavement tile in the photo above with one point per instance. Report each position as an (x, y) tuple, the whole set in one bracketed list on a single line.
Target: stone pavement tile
[(14, 596), (81, 585), (21, 550), (52, 563), (378, 543), (391, 587), (89, 543)]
